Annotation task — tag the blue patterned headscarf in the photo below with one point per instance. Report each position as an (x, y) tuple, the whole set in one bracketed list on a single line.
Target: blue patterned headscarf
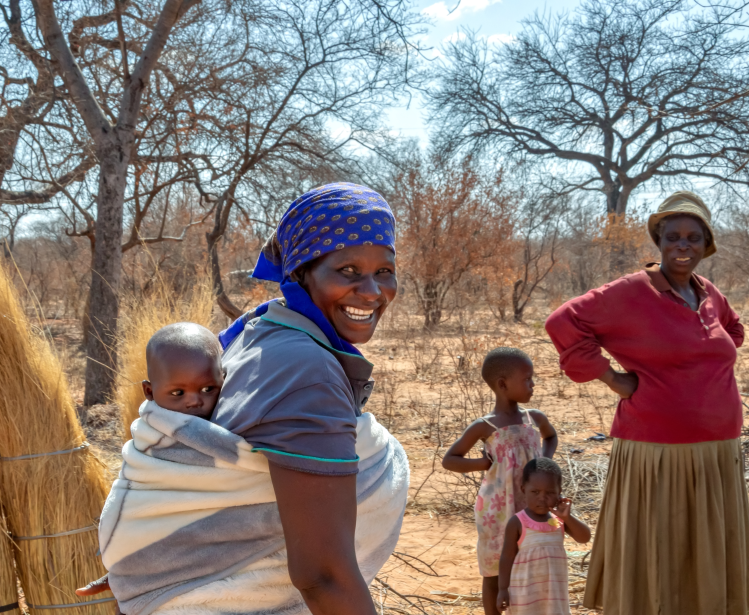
[(326, 219)]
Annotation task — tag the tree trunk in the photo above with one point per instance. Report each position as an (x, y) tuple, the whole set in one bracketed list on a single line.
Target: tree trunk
[(10, 241), (518, 305), (101, 347), (222, 299), (432, 306), (114, 145), (612, 193), (617, 248)]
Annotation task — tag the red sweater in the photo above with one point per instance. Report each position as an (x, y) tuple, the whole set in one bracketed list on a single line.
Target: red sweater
[(683, 359)]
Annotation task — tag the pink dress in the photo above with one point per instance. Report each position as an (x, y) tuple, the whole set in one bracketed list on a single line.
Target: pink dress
[(538, 584), (500, 497)]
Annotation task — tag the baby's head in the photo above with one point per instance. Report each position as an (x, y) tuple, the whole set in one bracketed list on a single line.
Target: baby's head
[(184, 369), (509, 371), (542, 484)]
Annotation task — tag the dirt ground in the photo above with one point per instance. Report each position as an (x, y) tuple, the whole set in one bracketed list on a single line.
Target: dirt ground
[(428, 389)]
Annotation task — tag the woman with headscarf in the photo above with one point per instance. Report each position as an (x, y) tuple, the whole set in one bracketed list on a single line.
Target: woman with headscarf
[(673, 533), (294, 389)]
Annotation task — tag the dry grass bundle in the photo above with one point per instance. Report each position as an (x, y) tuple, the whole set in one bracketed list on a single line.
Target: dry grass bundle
[(8, 592), (47, 494), (143, 317)]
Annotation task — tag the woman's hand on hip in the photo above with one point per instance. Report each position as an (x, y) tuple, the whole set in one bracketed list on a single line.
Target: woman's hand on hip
[(318, 514), (624, 384)]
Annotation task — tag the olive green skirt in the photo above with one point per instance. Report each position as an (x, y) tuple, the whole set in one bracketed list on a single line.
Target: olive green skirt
[(673, 532)]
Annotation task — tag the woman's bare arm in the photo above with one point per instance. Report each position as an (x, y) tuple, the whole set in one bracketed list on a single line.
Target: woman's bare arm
[(318, 514), (624, 384)]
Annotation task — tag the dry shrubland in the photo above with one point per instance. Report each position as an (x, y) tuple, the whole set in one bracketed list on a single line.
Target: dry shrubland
[(527, 194), (428, 378), (428, 390)]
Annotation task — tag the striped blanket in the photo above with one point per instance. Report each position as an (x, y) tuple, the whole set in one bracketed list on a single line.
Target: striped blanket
[(191, 524)]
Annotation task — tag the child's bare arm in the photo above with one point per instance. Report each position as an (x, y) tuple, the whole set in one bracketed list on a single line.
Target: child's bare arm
[(548, 433), (509, 550), (455, 460), (577, 529)]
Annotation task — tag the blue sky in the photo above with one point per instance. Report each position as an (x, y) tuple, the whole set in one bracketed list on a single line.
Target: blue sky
[(496, 19)]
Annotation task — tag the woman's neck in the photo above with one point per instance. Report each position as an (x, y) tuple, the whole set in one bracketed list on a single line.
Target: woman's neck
[(678, 281)]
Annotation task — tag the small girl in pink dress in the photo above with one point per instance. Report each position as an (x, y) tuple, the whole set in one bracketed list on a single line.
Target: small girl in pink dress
[(533, 566), (511, 439)]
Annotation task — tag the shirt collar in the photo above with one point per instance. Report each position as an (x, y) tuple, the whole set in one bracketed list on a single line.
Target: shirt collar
[(355, 366), (660, 283)]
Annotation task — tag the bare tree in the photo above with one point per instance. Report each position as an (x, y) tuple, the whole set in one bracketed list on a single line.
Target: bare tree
[(536, 228), (46, 154), (272, 81), (244, 95), (617, 94), (31, 103), (114, 139), (10, 218)]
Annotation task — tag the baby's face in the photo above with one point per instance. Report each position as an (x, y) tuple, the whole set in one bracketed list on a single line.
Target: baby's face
[(185, 382)]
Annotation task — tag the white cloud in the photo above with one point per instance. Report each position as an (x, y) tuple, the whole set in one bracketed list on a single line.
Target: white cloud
[(500, 39), (454, 37), (441, 10)]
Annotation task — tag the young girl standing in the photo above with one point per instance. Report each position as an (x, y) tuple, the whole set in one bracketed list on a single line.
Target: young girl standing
[(512, 436), (533, 566)]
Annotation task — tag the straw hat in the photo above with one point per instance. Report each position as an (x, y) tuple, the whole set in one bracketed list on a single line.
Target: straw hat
[(683, 202)]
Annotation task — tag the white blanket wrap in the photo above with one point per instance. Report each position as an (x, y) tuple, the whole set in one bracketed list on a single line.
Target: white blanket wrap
[(191, 525)]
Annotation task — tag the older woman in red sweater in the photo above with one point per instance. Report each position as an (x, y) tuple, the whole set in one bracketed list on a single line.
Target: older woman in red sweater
[(673, 533)]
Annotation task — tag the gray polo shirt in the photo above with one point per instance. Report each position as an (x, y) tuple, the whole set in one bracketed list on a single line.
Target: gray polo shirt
[(292, 396)]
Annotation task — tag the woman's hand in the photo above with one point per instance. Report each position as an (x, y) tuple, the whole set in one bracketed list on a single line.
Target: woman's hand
[(503, 600), (95, 587), (624, 384)]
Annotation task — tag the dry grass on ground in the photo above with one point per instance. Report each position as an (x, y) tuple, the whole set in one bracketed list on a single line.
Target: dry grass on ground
[(428, 389)]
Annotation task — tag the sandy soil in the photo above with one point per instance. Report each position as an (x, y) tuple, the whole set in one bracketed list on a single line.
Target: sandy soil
[(426, 394)]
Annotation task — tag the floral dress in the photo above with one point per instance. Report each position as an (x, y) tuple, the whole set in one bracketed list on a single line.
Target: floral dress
[(500, 497)]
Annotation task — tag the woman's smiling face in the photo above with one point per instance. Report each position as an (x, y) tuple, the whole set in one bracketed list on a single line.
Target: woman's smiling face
[(352, 287), (683, 244)]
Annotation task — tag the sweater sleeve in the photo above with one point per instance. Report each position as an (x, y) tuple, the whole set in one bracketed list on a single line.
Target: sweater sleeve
[(572, 328), (729, 319)]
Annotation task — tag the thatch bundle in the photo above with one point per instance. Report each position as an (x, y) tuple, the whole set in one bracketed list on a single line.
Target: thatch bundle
[(141, 319), (47, 494), (8, 588)]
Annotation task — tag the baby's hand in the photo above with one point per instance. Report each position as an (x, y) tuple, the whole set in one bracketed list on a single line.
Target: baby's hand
[(503, 600), (563, 509)]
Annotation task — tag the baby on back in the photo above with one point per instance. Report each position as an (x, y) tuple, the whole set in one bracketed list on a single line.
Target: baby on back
[(184, 369), (183, 361)]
